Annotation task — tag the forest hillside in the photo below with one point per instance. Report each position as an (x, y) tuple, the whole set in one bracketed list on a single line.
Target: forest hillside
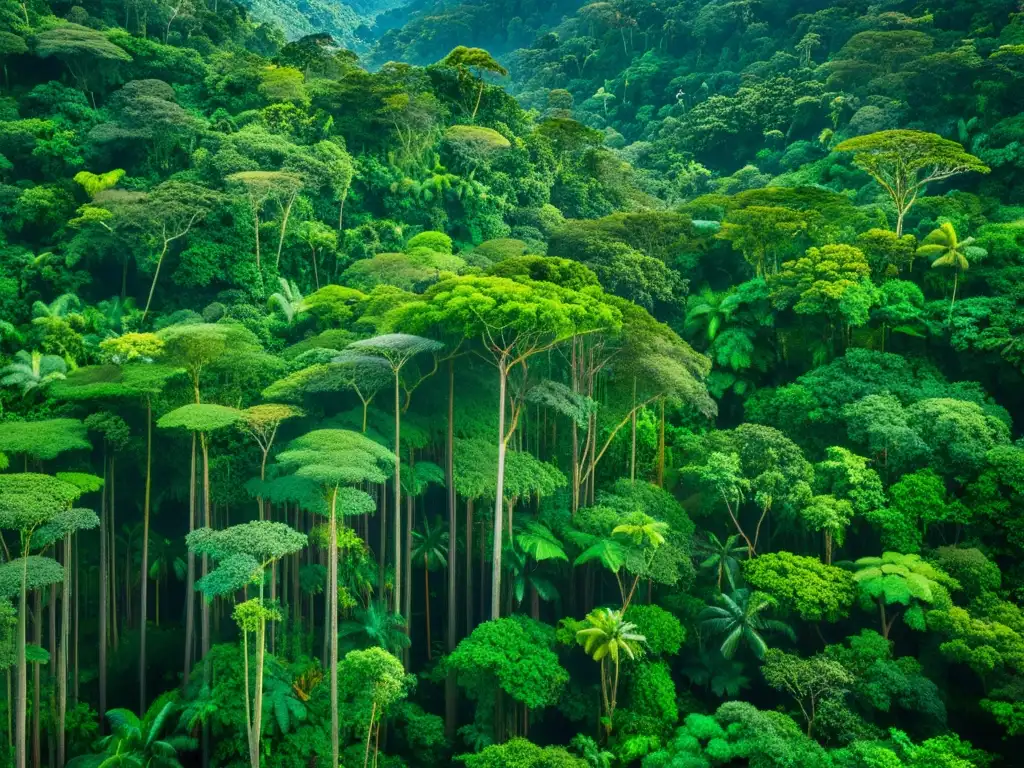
[(511, 385)]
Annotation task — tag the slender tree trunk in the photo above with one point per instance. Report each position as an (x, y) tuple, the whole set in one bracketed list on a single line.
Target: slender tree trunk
[(451, 693), (426, 598), (156, 276), (369, 732), (205, 606), (62, 672), (20, 730), (113, 556), (144, 575), (104, 592), (332, 622), (190, 580), (632, 449), (499, 491), (77, 590), (469, 566), (284, 228), (661, 447), (398, 502), (37, 638), (256, 227)]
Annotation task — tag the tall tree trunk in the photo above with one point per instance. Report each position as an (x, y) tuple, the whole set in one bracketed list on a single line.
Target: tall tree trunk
[(451, 693), (77, 590), (144, 575), (113, 557), (426, 599), (104, 592), (398, 503), (62, 672), (190, 579), (37, 638), (499, 491), (469, 566), (20, 730), (284, 228), (331, 620)]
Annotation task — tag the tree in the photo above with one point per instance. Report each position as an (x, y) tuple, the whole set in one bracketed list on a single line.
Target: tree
[(761, 232), (904, 163), (319, 238), (807, 681), (377, 678), (802, 585), (60, 529), (833, 280), (244, 553), (722, 557), (894, 580), (87, 53), (474, 61), (31, 371), (397, 349), (261, 423), (429, 546), (335, 460), (168, 214), (946, 250), (200, 419), (509, 658), (722, 475), (29, 502), (606, 636), (739, 618), (514, 321), (525, 754), (832, 517), (261, 186)]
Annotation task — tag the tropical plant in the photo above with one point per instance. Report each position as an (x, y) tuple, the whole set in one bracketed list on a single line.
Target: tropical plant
[(148, 742), (606, 639), (722, 556), (32, 370), (739, 619)]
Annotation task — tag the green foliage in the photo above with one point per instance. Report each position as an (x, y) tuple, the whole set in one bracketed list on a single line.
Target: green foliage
[(803, 585)]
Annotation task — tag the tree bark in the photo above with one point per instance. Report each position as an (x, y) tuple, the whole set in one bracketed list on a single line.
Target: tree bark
[(144, 575), (104, 592), (499, 491), (332, 622), (190, 580), (451, 693), (398, 502)]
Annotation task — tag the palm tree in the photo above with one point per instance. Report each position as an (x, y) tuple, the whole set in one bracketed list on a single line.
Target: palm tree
[(167, 559), (535, 541), (947, 250), (608, 636), (135, 742), (375, 627), (33, 370), (58, 309), (430, 545), (739, 617), (289, 299), (721, 555)]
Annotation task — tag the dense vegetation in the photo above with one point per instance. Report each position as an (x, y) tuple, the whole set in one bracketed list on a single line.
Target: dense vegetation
[(634, 384)]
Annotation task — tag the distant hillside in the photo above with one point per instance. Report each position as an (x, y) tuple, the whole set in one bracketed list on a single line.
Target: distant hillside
[(305, 17), (423, 31)]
